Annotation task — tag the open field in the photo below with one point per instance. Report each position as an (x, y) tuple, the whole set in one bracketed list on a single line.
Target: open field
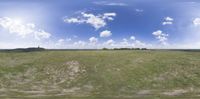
[(100, 75)]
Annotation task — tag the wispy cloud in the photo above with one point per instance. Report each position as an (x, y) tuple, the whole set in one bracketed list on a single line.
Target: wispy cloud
[(139, 10), (106, 3)]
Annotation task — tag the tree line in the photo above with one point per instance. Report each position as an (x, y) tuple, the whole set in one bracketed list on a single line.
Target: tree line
[(125, 49)]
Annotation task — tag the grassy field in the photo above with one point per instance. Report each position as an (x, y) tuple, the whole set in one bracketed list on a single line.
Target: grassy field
[(100, 75)]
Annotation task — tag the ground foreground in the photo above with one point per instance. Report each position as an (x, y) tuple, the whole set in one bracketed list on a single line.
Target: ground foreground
[(100, 75)]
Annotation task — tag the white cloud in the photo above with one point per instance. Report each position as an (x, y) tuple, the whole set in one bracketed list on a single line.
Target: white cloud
[(93, 44), (93, 40), (162, 37), (74, 20), (109, 16), (68, 39), (96, 21), (109, 42), (17, 27), (124, 42), (132, 38), (127, 43), (139, 10), (60, 42), (186, 45), (196, 21), (41, 34), (138, 43), (105, 33), (131, 42), (110, 3), (168, 21), (63, 41), (80, 44)]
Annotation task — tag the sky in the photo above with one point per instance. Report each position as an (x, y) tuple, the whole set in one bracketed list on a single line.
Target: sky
[(95, 24)]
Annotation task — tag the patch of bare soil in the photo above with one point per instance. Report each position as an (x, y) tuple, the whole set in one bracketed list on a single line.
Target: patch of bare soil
[(175, 92), (144, 92)]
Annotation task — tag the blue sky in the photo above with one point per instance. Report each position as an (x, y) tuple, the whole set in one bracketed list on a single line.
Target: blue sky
[(97, 24)]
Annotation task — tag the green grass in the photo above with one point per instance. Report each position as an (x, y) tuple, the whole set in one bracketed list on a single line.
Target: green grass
[(100, 75)]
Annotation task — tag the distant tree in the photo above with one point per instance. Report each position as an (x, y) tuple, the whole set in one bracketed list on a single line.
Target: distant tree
[(135, 48), (105, 48), (143, 48), (116, 49), (130, 49)]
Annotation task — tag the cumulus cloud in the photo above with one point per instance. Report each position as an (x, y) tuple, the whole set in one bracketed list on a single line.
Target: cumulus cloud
[(60, 42), (138, 43), (196, 21), (109, 42), (124, 42), (162, 37), (40, 34), (132, 38), (105, 33), (80, 43), (93, 40), (21, 29), (96, 21), (110, 3), (168, 21), (131, 42)]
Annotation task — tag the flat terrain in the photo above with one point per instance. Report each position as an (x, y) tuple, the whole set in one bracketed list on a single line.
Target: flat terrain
[(100, 75)]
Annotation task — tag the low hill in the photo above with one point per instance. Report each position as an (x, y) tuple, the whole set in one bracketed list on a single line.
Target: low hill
[(31, 49)]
